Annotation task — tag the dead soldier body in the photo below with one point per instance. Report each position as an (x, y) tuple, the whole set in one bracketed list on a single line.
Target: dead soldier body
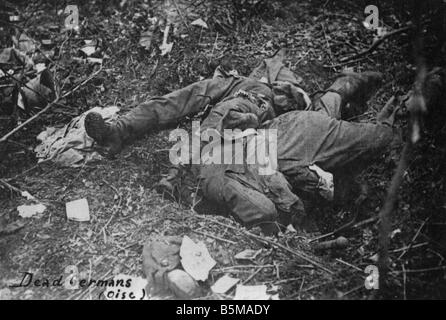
[(259, 201), (270, 90), (312, 145), (242, 103)]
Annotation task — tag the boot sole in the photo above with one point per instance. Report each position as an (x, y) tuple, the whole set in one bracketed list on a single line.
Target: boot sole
[(95, 127)]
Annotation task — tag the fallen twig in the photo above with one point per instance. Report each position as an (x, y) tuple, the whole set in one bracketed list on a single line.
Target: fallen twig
[(181, 15), (344, 228), (404, 281), (11, 187), (349, 264), (377, 43), (260, 268), (352, 290), (413, 239), (215, 237), (301, 286), (49, 105), (298, 254), (418, 245), (243, 266), (421, 270)]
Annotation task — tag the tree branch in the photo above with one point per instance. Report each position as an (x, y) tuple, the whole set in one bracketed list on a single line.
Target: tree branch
[(48, 106)]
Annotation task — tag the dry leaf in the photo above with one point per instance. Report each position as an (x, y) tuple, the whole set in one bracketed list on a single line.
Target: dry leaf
[(24, 43)]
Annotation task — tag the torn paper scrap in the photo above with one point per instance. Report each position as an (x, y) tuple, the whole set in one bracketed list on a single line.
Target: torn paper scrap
[(247, 254), (223, 284), (199, 22), (27, 195), (196, 259), (251, 293), (26, 211), (78, 210)]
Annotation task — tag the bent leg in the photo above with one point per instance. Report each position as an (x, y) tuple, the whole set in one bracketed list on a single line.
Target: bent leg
[(247, 205), (329, 103), (308, 137)]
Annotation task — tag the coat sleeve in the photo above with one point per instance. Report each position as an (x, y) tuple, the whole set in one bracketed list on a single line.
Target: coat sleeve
[(237, 113)]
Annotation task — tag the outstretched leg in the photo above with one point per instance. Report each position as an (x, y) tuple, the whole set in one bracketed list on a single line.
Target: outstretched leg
[(158, 112)]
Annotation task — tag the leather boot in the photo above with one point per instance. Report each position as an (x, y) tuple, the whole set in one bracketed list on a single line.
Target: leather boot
[(353, 86), (355, 89), (106, 135)]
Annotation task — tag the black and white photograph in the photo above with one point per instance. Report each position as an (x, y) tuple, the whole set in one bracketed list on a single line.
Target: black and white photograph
[(188, 151)]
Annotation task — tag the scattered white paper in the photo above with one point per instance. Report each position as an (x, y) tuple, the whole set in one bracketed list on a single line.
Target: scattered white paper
[(40, 67), (199, 22), (94, 60), (247, 254), (291, 229), (27, 195), (89, 48), (78, 210), (165, 46), (26, 211), (223, 284), (195, 258), (20, 102), (251, 293), (394, 233), (374, 258)]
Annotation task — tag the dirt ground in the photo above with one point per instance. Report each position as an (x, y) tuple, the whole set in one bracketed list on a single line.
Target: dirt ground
[(126, 211)]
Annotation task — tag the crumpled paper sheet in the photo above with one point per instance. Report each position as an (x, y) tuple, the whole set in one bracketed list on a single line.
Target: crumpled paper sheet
[(195, 258), (27, 211), (70, 145)]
